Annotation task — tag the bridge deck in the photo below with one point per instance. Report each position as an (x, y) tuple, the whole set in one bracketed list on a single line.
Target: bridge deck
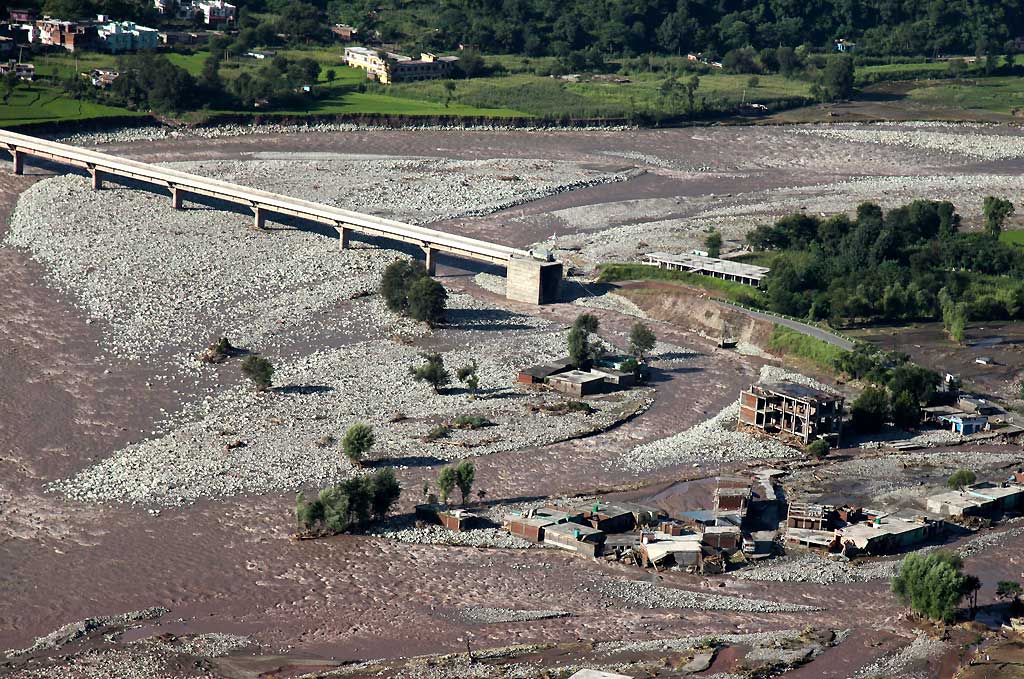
[(258, 200)]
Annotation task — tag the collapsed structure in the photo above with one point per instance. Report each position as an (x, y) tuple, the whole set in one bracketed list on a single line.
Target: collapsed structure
[(791, 410)]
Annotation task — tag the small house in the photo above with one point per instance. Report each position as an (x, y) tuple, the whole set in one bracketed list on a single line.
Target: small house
[(620, 379), (575, 537), (963, 423), (538, 374), (531, 525), (890, 533), (577, 383), (980, 499)]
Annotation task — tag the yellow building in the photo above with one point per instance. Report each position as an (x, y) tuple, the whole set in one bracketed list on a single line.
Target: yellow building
[(387, 67)]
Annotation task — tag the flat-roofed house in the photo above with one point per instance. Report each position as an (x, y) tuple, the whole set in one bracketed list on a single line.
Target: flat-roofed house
[(723, 269)]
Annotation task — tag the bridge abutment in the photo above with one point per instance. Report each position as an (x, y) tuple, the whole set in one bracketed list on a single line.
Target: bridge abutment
[(533, 281)]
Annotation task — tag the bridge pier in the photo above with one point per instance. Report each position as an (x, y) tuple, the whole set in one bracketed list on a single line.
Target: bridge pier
[(18, 159), (97, 179), (533, 281), (343, 236), (261, 217), (177, 197), (431, 260)]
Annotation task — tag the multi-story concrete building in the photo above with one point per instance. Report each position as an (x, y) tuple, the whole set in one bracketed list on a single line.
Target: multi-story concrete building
[(792, 409), (387, 67), (126, 36), (71, 35), (216, 12)]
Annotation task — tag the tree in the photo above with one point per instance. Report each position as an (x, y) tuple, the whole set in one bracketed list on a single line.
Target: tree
[(357, 442), (961, 478), (713, 244), (996, 210), (870, 410), (837, 78), (581, 350), (465, 473), (1011, 591), (906, 411), (432, 371), (447, 478), (641, 340), (384, 493), (330, 74), (259, 370), (933, 585), (10, 83), (427, 300), (818, 449), (398, 277), (753, 82), (691, 87), (449, 88)]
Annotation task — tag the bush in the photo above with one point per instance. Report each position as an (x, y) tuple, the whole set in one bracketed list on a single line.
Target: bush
[(465, 474), (259, 370), (446, 480), (426, 300), (384, 493), (357, 442), (933, 585), (641, 340), (432, 372), (396, 281), (441, 431), (870, 410), (467, 375), (471, 422), (818, 449)]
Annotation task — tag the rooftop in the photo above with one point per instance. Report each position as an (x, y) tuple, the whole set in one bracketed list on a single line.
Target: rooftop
[(578, 377), (572, 530), (698, 263)]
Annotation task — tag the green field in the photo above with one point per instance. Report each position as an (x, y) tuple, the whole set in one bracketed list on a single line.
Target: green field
[(546, 96), (996, 94), (40, 104), (1013, 238), (791, 343)]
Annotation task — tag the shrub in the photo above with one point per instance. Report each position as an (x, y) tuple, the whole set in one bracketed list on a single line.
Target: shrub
[(432, 372), (385, 492), (870, 410), (259, 370), (467, 375), (713, 244), (426, 300), (441, 431), (357, 442), (471, 422), (818, 449), (961, 478), (396, 281)]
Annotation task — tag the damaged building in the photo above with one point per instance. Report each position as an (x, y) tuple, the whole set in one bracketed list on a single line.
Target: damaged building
[(791, 410)]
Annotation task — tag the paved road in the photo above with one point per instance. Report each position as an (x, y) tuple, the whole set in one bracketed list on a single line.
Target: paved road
[(804, 328)]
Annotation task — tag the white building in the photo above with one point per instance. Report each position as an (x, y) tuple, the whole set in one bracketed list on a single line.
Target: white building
[(216, 12), (127, 36)]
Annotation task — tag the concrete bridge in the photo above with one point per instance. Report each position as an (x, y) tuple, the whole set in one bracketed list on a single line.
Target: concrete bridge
[(527, 279)]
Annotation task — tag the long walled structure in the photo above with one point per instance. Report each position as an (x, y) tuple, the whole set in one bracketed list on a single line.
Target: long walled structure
[(264, 203)]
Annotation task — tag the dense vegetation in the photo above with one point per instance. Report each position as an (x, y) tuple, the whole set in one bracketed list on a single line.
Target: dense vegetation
[(907, 264), (349, 505), (933, 585)]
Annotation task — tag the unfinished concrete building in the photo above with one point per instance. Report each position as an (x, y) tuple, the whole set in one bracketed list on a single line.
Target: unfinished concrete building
[(788, 409)]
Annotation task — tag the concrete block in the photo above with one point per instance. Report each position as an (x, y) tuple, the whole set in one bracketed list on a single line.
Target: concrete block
[(533, 281)]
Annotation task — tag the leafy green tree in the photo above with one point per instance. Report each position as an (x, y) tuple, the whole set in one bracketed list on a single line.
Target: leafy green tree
[(933, 585), (427, 300), (398, 277), (447, 479), (309, 515), (358, 441), (996, 210), (385, 491), (961, 478), (582, 351), (906, 411), (641, 340), (870, 410), (837, 78), (713, 244), (432, 371), (465, 473), (259, 370)]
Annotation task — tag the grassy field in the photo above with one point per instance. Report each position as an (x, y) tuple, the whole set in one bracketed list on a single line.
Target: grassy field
[(735, 292), (40, 104), (1013, 238), (997, 94), (545, 96), (791, 343)]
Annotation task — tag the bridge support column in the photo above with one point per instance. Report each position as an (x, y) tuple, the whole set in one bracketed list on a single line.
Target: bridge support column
[(533, 281), (97, 179), (343, 236), (431, 260), (177, 197), (19, 161), (261, 217)]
